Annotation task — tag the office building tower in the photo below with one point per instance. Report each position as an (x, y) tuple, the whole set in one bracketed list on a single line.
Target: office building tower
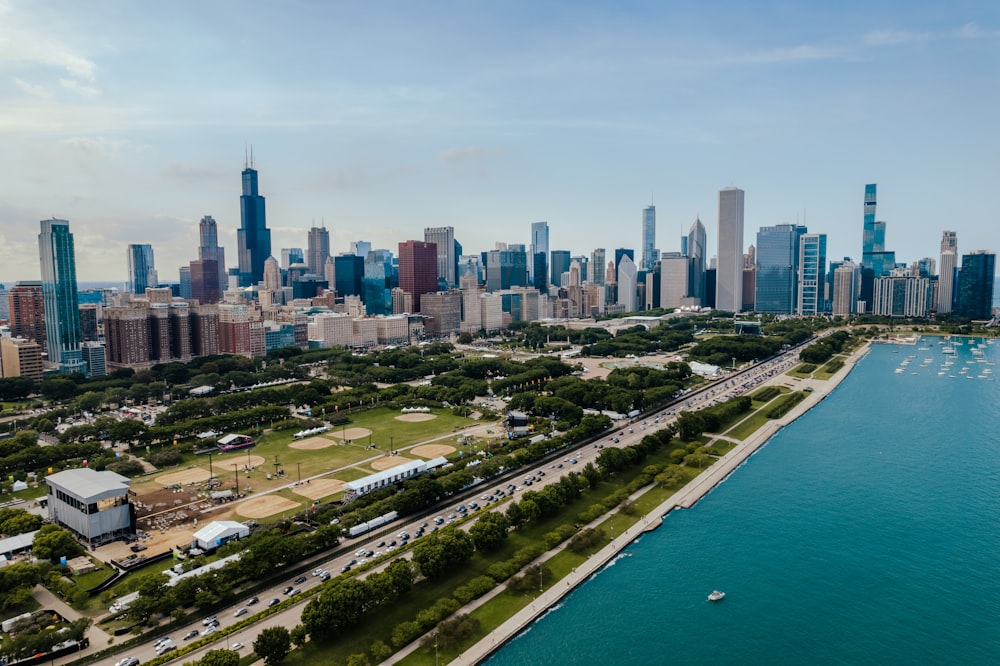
[(417, 270), (88, 322), (627, 285), (94, 355), (876, 261), (141, 268), (443, 310), (674, 274), (507, 267), (948, 264), (210, 250), (272, 275), (205, 287), (349, 274), (290, 256), (471, 264), (811, 274), (539, 265), (598, 260), (777, 268), (447, 260), (20, 357), (62, 317), (696, 252), (318, 249), (624, 252), (253, 236), (27, 311), (558, 265), (649, 252), (379, 280), (974, 297), (729, 269), (184, 287)]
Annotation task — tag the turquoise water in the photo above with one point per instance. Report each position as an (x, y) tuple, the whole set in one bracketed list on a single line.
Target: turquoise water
[(867, 532)]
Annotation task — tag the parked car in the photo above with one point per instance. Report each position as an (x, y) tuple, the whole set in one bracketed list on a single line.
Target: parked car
[(138, 547)]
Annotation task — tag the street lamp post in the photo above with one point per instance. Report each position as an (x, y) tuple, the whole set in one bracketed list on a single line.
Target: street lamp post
[(299, 465)]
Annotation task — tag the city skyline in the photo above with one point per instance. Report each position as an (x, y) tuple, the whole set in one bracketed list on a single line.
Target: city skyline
[(517, 112)]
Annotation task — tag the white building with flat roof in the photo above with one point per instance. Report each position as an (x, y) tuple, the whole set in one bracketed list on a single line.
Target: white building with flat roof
[(94, 505)]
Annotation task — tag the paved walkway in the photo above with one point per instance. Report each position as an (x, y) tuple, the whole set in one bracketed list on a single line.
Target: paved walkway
[(98, 637)]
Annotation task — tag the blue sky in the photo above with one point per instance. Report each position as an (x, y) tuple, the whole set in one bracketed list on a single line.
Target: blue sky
[(378, 119)]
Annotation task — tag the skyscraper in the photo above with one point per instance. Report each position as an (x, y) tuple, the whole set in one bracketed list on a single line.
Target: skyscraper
[(875, 260), (649, 252), (62, 317), (696, 252), (846, 283), (538, 255), (209, 249), (948, 263), (292, 255), (253, 236), (729, 270), (627, 273), (349, 275), (598, 259), (27, 311), (777, 268), (141, 269), (447, 260), (318, 249), (974, 299), (812, 274), (558, 265), (417, 269)]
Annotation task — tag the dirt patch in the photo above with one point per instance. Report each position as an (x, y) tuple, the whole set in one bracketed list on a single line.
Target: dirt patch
[(388, 462), (416, 418), (184, 476), (319, 488), (351, 434), (265, 505), (432, 450), (241, 461), (312, 443)]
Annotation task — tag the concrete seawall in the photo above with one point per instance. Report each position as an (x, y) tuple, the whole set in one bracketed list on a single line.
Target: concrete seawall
[(684, 498)]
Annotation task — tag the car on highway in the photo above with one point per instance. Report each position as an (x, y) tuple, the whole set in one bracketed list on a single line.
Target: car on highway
[(295, 591), (273, 602), (241, 612), (191, 634), (299, 580), (287, 590), (209, 620), (252, 600), (317, 572), (345, 568), (236, 646), (160, 641), (209, 631), (325, 576), (128, 661)]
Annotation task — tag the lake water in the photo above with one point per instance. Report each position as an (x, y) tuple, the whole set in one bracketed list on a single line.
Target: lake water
[(867, 532)]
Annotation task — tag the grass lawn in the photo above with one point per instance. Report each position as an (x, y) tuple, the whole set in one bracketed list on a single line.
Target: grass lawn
[(803, 371), (748, 426)]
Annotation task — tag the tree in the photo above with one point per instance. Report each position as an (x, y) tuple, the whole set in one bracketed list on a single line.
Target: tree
[(18, 521), (53, 542), (489, 531), (273, 645), (299, 635), (220, 658), (58, 389)]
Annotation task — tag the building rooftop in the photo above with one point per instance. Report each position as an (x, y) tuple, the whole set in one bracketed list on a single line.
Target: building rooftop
[(85, 482), (209, 533)]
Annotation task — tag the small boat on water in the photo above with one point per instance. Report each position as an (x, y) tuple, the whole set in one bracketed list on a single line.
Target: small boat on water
[(716, 596)]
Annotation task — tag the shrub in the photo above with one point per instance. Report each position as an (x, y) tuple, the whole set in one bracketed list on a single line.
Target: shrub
[(785, 405), (166, 458)]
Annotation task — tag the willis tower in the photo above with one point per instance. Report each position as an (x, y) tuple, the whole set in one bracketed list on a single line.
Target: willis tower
[(253, 236)]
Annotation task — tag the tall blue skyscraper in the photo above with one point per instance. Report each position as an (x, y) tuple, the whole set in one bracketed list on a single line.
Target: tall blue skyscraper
[(62, 315), (141, 270), (538, 255), (649, 252), (696, 252), (777, 268), (975, 285), (253, 236), (875, 260), (812, 274), (558, 265)]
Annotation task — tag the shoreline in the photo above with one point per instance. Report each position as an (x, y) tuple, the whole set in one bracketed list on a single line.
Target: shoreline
[(685, 498)]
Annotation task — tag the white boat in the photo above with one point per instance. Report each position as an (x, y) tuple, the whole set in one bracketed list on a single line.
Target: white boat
[(716, 596)]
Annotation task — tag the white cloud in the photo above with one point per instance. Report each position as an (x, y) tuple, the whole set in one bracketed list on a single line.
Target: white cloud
[(78, 87), (32, 89), (892, 37)]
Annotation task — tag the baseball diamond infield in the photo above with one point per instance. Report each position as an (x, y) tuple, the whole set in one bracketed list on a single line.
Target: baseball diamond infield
[(432, 450), (416, 418), (319, 488), (351, 433), (265, 505), (190, 475), (388, 462), (312, 443)]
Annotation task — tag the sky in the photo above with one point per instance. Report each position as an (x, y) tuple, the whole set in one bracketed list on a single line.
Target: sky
[(377, 119)]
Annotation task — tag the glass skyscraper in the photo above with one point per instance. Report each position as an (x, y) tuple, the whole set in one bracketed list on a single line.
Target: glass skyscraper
[(141, 270), (649, 252), (62, 316), (253, 236), (875, 260), (777, 268), (812, 274), (975, 285)]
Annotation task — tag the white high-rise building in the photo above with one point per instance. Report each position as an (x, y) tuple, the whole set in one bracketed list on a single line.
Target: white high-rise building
[(729, 271), (674, 273), (812, 272), (946, 278), (846, 288), (447, 262), (627, 288)]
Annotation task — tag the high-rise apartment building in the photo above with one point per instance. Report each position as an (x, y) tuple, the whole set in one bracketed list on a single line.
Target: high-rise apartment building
[(649, 252), (900, 294), (948, 264), (62, 317), (27, 311), (444, 312), (20, 357), (205, 287), (447, 260), (141, 268), (729, 269), (811, 274), (417, 270), (210, 250), (846, 288), (318, 248), (253, 237), (974, 299)]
